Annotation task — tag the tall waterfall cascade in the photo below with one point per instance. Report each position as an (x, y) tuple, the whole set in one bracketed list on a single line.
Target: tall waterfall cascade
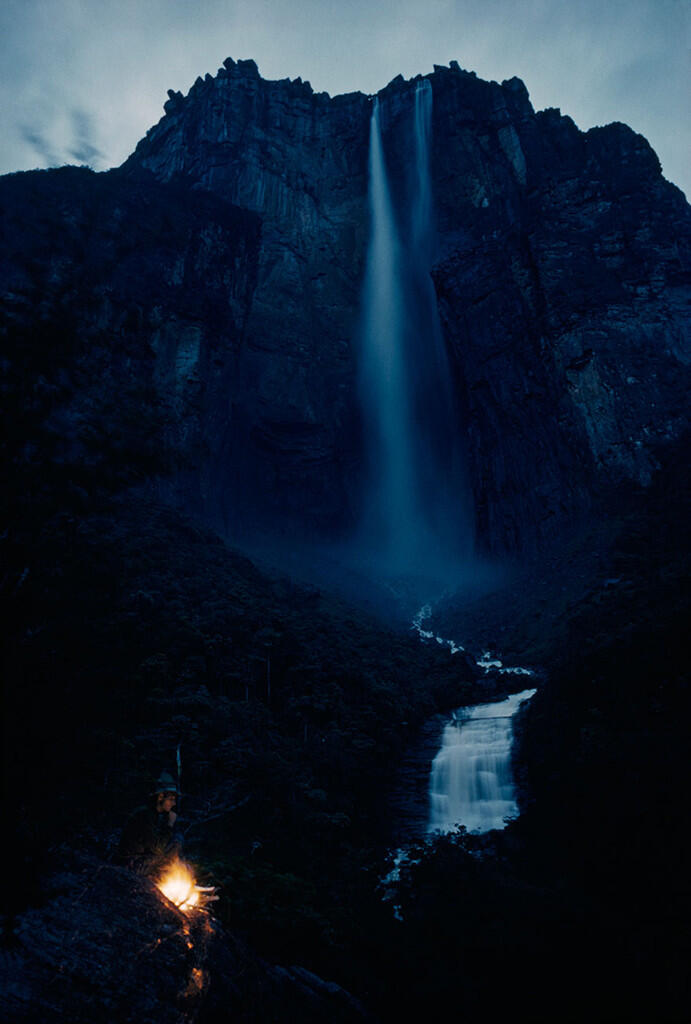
[(392, 514), (415, 513), (471, 782)]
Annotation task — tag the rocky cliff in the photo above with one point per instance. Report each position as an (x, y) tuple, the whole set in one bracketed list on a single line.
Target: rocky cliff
[(566, 305), (299, 160), (123, 304), (562, 275), (212, 286)]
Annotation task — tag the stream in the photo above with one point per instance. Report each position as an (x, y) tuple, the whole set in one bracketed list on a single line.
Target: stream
[(471, 782)]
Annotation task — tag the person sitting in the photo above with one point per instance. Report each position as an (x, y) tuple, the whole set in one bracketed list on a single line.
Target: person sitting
[(149, 839)]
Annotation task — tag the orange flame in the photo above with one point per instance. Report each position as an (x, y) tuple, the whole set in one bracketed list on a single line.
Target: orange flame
[(177, 883)]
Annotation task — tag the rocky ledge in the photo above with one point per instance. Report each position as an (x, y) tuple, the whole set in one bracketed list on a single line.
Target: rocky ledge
[(107, 945)]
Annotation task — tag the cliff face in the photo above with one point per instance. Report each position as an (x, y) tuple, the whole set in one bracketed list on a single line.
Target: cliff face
[(299, 160), (562, 276), (564, 294), (222, 267), (123, 305)]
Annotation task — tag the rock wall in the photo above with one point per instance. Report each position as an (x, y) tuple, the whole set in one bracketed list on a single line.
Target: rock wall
[(122, 306), (299, 160), (563, 283), (562, 275)]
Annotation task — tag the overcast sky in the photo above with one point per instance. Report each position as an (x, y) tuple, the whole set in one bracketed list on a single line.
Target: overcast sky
[(82, 80)]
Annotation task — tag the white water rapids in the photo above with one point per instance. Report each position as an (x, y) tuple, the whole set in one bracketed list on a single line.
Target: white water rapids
[(471, 782)]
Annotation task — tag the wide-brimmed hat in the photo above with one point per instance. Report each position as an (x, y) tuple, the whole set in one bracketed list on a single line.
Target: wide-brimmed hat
[(165, 783)]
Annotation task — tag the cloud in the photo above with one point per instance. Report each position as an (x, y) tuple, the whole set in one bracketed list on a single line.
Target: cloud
[(83, 148), (57, 137), (39, 144)]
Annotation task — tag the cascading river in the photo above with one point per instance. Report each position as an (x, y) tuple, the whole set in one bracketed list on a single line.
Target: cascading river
[(471, 782)]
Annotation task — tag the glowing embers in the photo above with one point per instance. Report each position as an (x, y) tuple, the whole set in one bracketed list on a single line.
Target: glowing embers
[(178, 884)]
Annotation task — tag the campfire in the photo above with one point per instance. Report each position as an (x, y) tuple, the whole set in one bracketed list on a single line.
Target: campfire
[(178, 884)]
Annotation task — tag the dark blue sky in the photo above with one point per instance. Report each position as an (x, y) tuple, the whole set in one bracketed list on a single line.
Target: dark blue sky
[(82, 80)]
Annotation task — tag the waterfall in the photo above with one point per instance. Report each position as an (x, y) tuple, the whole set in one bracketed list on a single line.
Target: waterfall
[(392, 514), (471, 782), (422, 217), (445, 507), (415, 513)]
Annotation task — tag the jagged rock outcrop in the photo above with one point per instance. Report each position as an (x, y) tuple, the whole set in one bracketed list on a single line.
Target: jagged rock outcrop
[(562, 274), (566, 305), (298, 159)]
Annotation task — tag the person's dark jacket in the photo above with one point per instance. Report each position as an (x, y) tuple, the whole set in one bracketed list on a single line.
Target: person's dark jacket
[(148, 839)]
